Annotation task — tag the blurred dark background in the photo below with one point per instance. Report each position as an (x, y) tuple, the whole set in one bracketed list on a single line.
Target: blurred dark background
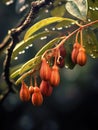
[(72, 105)]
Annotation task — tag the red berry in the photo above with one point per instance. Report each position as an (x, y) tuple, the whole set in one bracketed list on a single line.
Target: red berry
[(75, 52), (45, 70), (55, 76), (37, 98), (45, 88), (24, 92), (81, 58)]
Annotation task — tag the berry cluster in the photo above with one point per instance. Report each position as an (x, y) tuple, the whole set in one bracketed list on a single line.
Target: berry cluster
[(78, 54), (50, 78), (49, 73)]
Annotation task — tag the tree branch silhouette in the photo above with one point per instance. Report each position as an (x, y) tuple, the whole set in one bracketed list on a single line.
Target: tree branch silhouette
[(12, 39)]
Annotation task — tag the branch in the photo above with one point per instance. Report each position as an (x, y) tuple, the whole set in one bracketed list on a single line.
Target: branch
[(12, 38)]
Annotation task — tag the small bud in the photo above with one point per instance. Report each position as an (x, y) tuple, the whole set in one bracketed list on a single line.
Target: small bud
[(24, 92), (81, 58), (45, 88), (55, 76), (45, 70)]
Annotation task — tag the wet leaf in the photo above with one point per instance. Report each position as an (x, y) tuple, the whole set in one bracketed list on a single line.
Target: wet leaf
[(48, 46), (90, 42), (58, 11), (34, 62), (44, 23), (78, 8), (93, 11), (21, 46)]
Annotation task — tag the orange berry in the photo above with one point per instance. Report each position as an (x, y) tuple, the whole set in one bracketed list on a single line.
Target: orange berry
[(55, 76), (24, 92), (45, 70), (81, 58), (45, 88), (37, 98)]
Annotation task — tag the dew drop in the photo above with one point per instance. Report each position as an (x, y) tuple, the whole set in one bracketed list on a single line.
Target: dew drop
[(60, 3), (72, 23), (66, 66), (60, 28), (30, 45), (96, 8), (46, 11), (90, 8), (23, 52), (93, 9), (53, 29), (89, 20), (23, 8), (27, 47), (42, 38), (46, 29), (20, 53), (92, 55), (9, 2), (66, 26), (50, 3), (16, 58)]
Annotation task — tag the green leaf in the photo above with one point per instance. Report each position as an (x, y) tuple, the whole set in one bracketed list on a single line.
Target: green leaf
[(44, 23), (90, 42), (93, 11), (34, 62), (78, 8), (59, 13), (15, 74), (20, 46), (48, 46)]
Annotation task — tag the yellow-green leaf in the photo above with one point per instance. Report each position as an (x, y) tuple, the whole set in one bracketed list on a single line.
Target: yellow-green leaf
[(42, 24), (21, 45), (48, 46), (34, 62)]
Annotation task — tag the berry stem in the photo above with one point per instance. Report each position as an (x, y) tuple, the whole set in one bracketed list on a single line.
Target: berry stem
[(77, 30), (81, 38)]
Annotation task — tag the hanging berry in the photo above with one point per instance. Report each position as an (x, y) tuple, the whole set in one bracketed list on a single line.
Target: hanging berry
[(81, 58), (45, 70), (45, 88), (62, 51), (55, 76), (37, 98), (75, 52), (24, 92)]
